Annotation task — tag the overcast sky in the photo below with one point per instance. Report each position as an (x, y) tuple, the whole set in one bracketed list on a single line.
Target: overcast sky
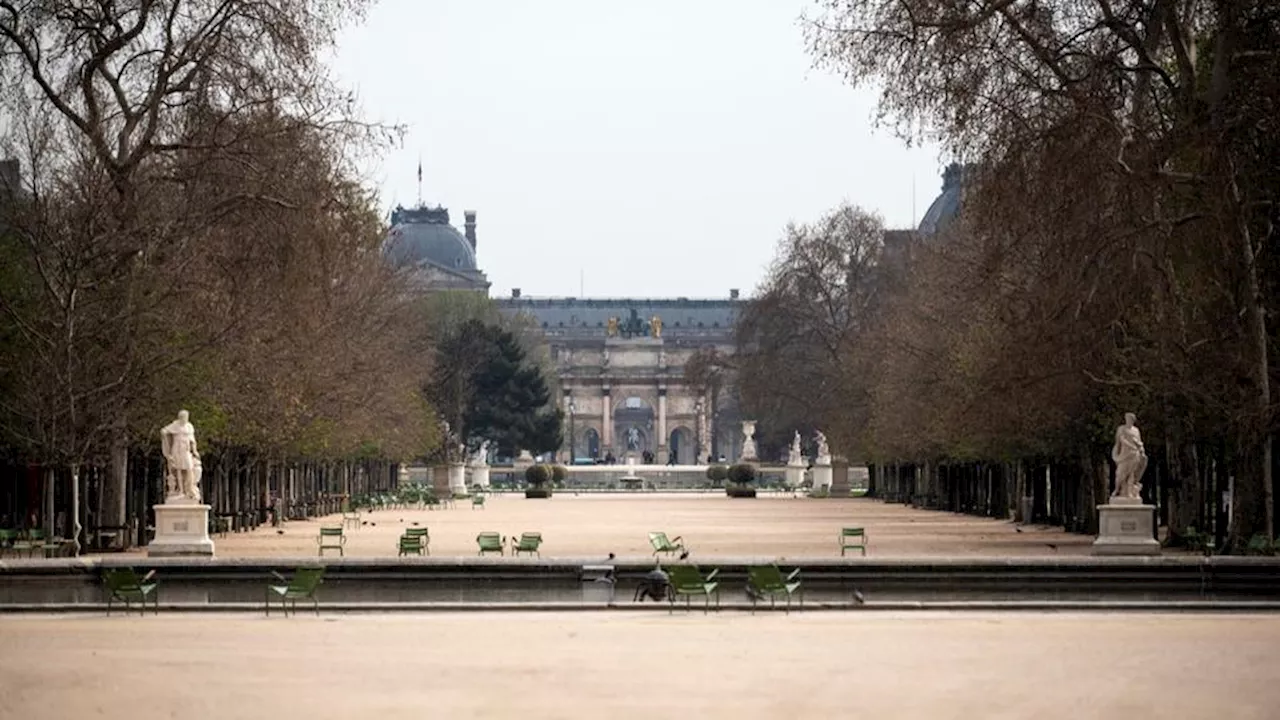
[(655, 149)]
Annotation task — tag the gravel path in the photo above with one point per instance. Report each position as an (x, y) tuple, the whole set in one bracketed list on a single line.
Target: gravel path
[(712, 525), (613, 665)]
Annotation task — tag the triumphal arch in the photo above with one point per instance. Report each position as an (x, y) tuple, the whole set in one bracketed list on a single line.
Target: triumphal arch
[(620, 368)]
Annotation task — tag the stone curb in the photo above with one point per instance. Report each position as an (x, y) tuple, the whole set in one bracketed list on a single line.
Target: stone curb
[(737, 607)]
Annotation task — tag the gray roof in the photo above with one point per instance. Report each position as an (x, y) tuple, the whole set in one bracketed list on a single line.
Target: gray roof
[(424, 234), (589, 317)]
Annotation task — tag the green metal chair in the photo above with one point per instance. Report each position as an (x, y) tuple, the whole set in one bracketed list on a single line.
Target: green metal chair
[(415, 540), (331, 538), (853, 538), (302, 586), (528, 543), (491, 542), (686, 580), (661, 544), (123, 584), (7, 539), (769, 581)]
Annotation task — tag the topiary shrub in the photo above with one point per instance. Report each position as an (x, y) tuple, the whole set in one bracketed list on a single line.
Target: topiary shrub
[(717, 474), (741, 476), (538, 476), (559, 474)]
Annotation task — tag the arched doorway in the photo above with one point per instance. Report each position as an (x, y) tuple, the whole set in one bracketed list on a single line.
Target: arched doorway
[(681, 446), (633, 428)]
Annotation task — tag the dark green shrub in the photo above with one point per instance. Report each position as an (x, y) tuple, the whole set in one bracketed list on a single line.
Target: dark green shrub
[(538, 475), (742, 474), (717, 474), (559, 474)]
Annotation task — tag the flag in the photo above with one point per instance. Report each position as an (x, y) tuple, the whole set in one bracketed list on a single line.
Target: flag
[(419, 169)]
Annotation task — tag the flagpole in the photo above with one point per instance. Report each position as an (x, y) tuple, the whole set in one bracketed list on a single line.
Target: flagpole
[(419, 179)]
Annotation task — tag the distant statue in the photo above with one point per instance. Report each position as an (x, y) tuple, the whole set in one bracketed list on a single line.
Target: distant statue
[(613, 327), (655, 326), (748, 440), (1130, 457), (794, 457), (633, 439), (824, 452), (181, 458), (604, 358), (662, 357), (481, 456)]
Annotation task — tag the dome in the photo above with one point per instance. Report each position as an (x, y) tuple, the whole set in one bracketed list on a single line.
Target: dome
[(424, 234), (947, 205)]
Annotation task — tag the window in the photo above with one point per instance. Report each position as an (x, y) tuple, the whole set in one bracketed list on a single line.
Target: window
[(633, 403)]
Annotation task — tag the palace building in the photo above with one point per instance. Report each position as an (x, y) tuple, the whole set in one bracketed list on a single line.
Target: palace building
[(619, 362)]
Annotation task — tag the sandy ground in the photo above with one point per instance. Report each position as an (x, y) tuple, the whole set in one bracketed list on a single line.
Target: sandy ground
[(712, 526), (653, 666)]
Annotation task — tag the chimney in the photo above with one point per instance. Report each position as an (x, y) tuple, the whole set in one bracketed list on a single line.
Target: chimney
[(469, 228), (515, 292), (733, 293)]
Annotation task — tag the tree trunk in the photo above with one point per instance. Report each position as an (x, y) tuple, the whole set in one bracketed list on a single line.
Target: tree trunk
[(75, 508), (111, 512)]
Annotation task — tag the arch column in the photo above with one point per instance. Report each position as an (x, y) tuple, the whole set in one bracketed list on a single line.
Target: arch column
[(663, 448), (606, 421)]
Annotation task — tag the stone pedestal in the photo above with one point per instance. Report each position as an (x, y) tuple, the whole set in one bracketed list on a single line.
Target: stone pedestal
[(1126, 527), (457, 478), (840, 478), (1025, 506), (522, 462), (181, 529), (794, 475), (480, 475), (822, 475)]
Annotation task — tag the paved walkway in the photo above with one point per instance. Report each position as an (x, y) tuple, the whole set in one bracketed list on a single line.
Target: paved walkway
[(712, 525), (613, 665)]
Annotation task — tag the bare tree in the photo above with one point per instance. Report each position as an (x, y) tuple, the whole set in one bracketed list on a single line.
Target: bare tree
[(1161, 102)]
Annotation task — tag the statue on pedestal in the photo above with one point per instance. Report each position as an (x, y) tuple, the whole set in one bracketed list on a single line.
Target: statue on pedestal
[(612, 329), (824, 451), (794, 457), (655, 326), (181, 459), (1130, 457), (481, 456)]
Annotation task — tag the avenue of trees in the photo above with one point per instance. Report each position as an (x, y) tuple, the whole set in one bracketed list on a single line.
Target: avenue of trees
[(190, 232), (1116, 252)]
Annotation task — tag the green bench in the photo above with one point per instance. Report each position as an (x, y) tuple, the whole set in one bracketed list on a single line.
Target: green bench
[(853, 538), (331, 538)]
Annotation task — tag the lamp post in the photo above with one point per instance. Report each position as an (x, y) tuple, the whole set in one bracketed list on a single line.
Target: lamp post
[(573, 454)]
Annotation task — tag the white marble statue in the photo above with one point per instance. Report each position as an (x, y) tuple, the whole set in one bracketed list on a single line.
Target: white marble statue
[(794, 457), (748, 439), (481, 456), (182, 459), (1130, 457), (824, 451)]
